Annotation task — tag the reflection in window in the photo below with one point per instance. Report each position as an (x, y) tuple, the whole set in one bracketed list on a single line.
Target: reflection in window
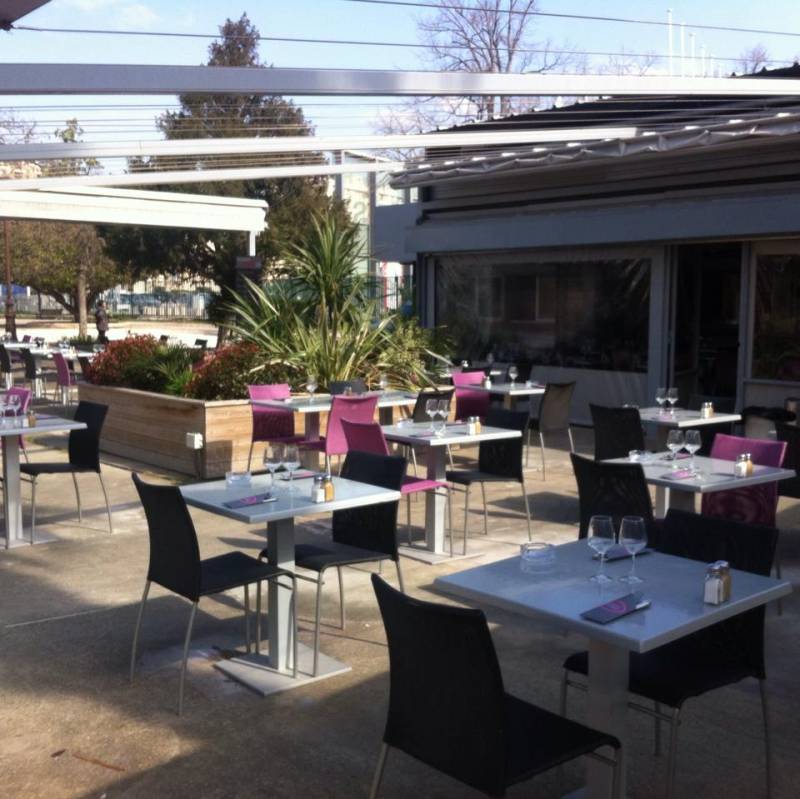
[(590, 314), (776, 334)]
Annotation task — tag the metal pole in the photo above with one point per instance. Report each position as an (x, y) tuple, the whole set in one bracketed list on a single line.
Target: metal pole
[(669, 41), (683, 49), (691, 49), (11, 326)]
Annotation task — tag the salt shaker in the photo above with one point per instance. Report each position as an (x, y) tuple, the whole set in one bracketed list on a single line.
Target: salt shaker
[(740, 465), (706, 410), (329, 489), (717, 587), (487, 381), (318, 488), (473, 426)]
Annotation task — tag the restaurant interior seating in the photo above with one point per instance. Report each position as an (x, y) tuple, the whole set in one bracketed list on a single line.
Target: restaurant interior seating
[(449, 709)]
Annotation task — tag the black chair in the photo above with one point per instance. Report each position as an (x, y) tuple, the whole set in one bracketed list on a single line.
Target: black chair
[(611, 489), (83, 457), (448, 707), (498, 462), (616, 431), (175, 564), (6, 367), (358, 535), (419, 414), (712, 658), (357, 386), (163, 338), (202, 343), (85, 364), (553, 417), (35, 373)]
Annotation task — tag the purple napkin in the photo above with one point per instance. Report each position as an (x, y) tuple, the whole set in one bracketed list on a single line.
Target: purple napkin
[(247, 502), (679, 474)]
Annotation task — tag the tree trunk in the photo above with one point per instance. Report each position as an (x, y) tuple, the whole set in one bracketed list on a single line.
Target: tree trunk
[(80, 299)]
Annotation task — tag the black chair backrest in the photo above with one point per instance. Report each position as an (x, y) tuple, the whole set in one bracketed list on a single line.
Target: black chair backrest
[(357, 386), (616, 431), (85, 363), (201, 342), (5, 360), (503, 458), (84, 445), (419, 414), (554, 410), (748, 547), (446, 696), (790, 433), (174, 552), (30, 364), (372, 527), (610, 489), (163, 339)]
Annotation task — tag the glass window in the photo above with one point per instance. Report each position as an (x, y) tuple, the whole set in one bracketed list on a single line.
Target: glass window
[(776, 333), (592, 314)]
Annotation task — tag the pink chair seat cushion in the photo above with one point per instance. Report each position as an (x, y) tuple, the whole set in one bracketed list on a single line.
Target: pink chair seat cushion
[(317, 445), (413, 484), (471, 403)]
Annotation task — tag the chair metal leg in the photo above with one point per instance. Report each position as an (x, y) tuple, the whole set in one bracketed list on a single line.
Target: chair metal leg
[(400, 576), (657, 731), (341, 597), (320, 583), (108, 504), (466, 517), (378, 776), (33, 508), (414, 459), (571, 442), (779, 575), (615, 777), (186, 656), (258, 617), (541, 446), (672, 755), (528, 448), (139, 617), (485, 511), (762, 686), (247, 619), (408, 519), (250, 455), (77, 496), (527, 509), (450, 456)]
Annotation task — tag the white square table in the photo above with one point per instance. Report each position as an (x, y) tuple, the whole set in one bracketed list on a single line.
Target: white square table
[(714, 475), (673, 585), (419, 435), (682, 419), (321, 403), (12, 500), (272, 672), (511, 391)]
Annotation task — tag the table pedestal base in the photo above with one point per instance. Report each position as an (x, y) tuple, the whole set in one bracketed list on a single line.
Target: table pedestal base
[(256, 672), (671, 498), (431, 557), (16, 543)]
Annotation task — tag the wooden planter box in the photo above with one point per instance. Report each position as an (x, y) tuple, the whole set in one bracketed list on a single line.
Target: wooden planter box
[(151, 428)]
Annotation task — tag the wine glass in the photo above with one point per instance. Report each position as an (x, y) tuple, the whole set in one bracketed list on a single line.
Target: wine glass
[(672, 399), (273, 460), (661, 397), (675, 443), (291, 462), (632, 536), (3, 408), (692, 442), (311, 387), (431, 408), (601, 539), (513, 373), (14, 403), (383, 382), (443, 407)]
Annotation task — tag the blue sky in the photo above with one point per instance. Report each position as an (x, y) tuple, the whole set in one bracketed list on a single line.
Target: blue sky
[(339, 19)]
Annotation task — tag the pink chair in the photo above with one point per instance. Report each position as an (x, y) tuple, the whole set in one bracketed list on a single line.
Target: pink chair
[(354, 409), (470, 402), (65, 379), (368, 437), (271, 424), (752, 504)]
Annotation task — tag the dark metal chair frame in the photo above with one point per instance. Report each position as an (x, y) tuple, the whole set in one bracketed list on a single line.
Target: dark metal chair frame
[(553, 417)]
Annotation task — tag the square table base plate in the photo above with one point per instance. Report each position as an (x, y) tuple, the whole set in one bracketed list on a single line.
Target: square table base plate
[(254, 671), (38, 538), (432, 558)]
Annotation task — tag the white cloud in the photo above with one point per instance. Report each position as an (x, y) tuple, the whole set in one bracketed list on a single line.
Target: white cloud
[(125, 13)]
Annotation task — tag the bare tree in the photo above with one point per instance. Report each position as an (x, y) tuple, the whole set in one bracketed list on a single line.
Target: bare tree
[(752, 60), (623, 63)]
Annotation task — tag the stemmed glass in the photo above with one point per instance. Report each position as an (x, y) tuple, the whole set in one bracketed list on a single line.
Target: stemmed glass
[(431, 408), (675, 443), (311, 387), (601, 539), (291, 462), (672, 399), (441, 410), (692, 443), (3, 408), (383, 382), (513, 374), (661, 398), (14, 403), (632, 536), (273, 460)]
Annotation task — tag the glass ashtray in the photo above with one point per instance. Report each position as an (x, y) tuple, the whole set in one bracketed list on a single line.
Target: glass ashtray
[(537, 556), (238, 479), (638, 455)]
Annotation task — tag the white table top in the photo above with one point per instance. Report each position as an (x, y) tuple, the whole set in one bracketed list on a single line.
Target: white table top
[(47, 352), (349, 494), (418, 434), (715, 474), (683, 418), (511, 390), (45, 423), (322, 402), (673, 585)]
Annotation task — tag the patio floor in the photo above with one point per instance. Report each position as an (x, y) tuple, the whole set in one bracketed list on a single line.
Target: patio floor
[(72, 726)]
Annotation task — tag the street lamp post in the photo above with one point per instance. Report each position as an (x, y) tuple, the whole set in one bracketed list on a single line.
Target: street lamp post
[(11, 323)]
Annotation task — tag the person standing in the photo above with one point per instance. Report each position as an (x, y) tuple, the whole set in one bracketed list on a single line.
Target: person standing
[(101, 322)]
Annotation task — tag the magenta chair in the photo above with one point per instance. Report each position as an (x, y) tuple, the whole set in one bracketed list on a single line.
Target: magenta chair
[(65, 379), (751, 504), (369, 437), (271, 424), (470, 402), (353, 408)]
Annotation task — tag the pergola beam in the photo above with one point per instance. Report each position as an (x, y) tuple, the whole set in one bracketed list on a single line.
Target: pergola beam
[(123, 79), (37, 151)]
